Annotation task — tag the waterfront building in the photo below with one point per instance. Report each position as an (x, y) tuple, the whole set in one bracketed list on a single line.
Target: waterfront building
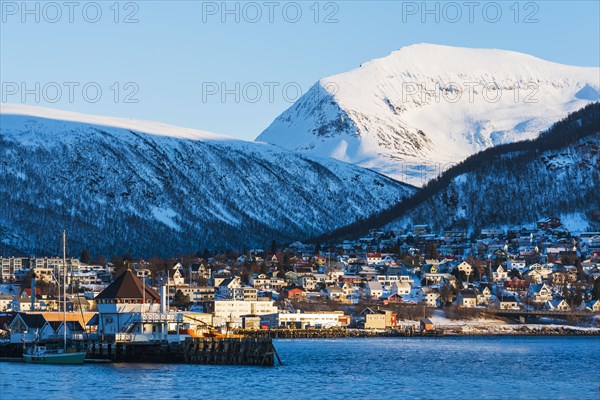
[(121, 304), (380, 320), (231, 311), (325, 319)]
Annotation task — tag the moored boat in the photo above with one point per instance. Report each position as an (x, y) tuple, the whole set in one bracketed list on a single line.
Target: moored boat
[(38, 354), (44, 355)]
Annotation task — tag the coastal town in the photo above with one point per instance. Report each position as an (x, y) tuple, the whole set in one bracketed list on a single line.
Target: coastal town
[(388, 281)]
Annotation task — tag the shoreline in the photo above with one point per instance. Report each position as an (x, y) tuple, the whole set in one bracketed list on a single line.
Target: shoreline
[(341, 333)]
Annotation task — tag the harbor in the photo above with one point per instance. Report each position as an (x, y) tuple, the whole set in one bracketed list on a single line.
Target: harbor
[(209, 351), (421, 368), (133, 325)]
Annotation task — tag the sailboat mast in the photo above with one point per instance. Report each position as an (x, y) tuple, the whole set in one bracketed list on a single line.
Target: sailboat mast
[(143, 299), (65, 289)]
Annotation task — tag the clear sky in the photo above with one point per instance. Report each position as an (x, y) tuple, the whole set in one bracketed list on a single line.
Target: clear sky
[(232, 67)]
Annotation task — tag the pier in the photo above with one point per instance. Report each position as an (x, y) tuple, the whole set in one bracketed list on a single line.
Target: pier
[(209, 351)]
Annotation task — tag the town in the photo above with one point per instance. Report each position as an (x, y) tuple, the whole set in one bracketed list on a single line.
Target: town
[(388, 281)]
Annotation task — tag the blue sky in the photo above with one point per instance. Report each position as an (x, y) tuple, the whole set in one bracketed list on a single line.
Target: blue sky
[(170, 61)]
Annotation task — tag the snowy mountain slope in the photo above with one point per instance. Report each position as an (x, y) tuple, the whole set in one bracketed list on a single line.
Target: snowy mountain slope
[(414, 113), (556, 174), (517, 190), (120, 190)]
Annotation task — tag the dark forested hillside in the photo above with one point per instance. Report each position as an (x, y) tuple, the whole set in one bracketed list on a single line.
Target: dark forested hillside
[(556, 173), (119, 191)]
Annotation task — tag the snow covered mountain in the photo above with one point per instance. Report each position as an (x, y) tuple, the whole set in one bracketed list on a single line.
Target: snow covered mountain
[(555, 175), (559, 183), (416, 112), (150, 189)]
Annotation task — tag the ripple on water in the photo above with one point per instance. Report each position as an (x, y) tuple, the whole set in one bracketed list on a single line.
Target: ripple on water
[(375, 368)]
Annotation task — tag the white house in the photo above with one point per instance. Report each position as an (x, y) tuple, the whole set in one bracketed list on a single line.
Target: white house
[(499, 274), (484, 296), (374, 289), (429, 296), (557, 305), (26, 328), (331, 319), (226, 286), (506, 302), (466, 299), (176, 275), (539, 293), (373, 258), (244, 293), (120, 305), (466, 268), (519, 265), (334, 292), (591, 305), (308, 282), (5, 302), (401, 288), (230, 311)]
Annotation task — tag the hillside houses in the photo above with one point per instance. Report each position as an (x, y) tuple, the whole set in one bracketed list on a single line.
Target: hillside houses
[(539, 293), (532, 268)]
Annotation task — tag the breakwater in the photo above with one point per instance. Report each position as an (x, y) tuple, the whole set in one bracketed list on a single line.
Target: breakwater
[(325, 333)]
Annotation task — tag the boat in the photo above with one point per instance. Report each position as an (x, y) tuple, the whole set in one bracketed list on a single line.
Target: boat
[(66, 355), (43, 355)]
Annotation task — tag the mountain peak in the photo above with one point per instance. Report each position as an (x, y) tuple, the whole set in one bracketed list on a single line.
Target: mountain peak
[(424, 107)]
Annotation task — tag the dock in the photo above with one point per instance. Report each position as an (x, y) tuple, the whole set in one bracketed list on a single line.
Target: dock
[(209, 351)]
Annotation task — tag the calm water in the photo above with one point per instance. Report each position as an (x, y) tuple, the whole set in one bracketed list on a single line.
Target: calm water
[(449, 368)]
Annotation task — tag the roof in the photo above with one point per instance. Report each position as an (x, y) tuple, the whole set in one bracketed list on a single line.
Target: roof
[(536, 287), (38, 291), (227, 282), (95, 321), (507, 299), (75, 326), (33, 320), (55, 325), (127, 286)]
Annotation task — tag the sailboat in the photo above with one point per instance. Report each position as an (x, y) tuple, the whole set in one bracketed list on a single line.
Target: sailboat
[(65, 355)]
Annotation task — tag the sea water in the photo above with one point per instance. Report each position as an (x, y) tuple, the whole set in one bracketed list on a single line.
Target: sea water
[(370, 368)]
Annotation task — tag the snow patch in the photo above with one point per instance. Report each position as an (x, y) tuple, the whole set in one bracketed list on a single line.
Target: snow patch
[(576, 222), (167, 216)]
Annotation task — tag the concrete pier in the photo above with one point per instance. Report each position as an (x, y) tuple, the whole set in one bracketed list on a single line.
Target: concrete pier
[(217, 351)]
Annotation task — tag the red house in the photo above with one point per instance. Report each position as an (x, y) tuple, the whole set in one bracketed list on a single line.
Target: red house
[(296, 293)]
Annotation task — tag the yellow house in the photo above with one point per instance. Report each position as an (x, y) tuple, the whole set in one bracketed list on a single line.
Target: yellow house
[(380, 320)]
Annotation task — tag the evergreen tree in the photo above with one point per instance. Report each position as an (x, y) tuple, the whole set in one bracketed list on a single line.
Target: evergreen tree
[(596, 289), (273, 247), (180, 300), (85, 256)]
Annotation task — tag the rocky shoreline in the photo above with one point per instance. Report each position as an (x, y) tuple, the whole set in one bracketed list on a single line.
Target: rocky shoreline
[(505, 330)]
